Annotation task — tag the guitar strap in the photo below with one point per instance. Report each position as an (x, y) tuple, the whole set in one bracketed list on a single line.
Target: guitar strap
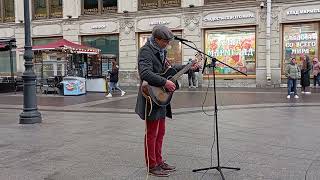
[(167, 64)]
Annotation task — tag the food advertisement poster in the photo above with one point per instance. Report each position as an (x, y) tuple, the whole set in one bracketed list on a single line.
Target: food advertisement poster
[(233, 47)]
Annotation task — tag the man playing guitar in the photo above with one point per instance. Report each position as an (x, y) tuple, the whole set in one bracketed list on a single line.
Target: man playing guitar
[(151, 63)]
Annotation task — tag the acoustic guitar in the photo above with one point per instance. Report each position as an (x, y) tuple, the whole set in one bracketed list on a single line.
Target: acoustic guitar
[(160, 95)]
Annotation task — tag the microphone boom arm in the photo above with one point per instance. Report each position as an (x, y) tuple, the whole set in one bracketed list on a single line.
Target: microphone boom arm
[(212, 58)]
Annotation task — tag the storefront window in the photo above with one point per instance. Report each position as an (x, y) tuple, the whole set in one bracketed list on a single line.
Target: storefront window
[(108, 44), (43, 9), (235, 47), (300, 40), (7, 11), (94, 7), (43, 41), (174, 48), (5, 62), (154, 4)]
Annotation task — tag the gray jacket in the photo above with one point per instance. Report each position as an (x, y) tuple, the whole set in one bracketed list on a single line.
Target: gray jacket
[(292, 71), (149, 67)]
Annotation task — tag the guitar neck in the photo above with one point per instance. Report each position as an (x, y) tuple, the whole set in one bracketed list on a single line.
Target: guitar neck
[(181, 72)]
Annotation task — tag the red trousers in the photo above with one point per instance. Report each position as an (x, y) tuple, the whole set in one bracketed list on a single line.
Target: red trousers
[(153, 142)]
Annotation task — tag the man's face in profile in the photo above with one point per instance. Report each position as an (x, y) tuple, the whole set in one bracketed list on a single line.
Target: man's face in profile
[(163, 43)]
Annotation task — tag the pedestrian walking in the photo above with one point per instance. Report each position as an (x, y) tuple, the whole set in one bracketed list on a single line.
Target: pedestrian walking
[(114, 78), (191, 77), (292, 72), (305, 75), (316, 72)]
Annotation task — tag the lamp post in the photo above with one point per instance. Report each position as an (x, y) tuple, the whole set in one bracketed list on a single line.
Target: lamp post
[(30, 114)]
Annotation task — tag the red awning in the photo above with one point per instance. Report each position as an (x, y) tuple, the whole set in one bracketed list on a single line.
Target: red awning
[(65, 44)]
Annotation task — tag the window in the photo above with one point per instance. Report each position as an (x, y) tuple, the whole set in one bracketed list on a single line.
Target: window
[(43, 41), (154, 4), (56, 8), (5, 62), (108, 44), (95, 7), (235, 47), (43, 9), (299, 40), (174, 49), (7, 11), (226, 1)]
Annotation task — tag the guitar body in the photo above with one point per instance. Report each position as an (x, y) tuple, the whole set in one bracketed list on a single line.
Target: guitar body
[(159, 95)]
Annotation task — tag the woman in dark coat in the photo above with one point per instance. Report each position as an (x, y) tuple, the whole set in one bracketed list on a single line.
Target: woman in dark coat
[(305, 75)]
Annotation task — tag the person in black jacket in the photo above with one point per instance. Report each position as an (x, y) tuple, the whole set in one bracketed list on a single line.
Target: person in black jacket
[(114, 78), (305, 75), (151, 62), (191, 77)]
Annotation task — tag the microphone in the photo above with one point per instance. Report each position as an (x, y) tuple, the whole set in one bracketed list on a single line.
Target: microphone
[(180, 39)]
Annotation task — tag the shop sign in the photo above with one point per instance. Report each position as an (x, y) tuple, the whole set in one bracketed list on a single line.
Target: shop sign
[(303, 11), (98, 27), (159, 23), (223, 18)]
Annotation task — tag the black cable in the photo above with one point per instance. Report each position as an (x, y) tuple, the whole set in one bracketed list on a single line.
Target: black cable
[(214, 126), (316, 159)]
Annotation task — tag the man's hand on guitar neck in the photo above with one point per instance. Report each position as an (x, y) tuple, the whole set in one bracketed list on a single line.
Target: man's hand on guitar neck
[(170, 86)]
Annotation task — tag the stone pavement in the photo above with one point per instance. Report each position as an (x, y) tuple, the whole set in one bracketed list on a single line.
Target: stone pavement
[(93, 138)]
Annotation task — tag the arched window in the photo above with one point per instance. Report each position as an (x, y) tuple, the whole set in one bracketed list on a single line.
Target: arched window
[(96, 7)]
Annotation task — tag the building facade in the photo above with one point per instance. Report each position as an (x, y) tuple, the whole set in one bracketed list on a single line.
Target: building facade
[(256, 37)]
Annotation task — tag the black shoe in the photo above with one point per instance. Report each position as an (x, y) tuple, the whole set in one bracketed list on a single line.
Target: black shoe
[(166, 167), (158, 172)]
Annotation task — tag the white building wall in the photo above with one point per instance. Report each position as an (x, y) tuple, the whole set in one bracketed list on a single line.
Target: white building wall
[(190, 21)]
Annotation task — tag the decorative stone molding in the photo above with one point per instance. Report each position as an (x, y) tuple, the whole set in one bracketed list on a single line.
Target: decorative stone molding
[(229, 18), (47, 30), (99, 27), (7, 32), (191, 22), (262, 19), (147, 23), (126, 26), (275, 18), (301, 12)]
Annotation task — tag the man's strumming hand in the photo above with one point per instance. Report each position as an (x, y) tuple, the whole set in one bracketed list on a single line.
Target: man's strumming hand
[(170, 86)]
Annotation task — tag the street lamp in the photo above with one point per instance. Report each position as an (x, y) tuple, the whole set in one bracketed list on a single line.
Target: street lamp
[(30, 114)]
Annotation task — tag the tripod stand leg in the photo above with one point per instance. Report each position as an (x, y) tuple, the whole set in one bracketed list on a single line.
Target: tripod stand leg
[(233, 168), (222, 176), (218, 168)]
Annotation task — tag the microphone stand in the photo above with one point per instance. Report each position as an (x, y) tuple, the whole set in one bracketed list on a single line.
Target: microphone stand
[(214, 60)]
